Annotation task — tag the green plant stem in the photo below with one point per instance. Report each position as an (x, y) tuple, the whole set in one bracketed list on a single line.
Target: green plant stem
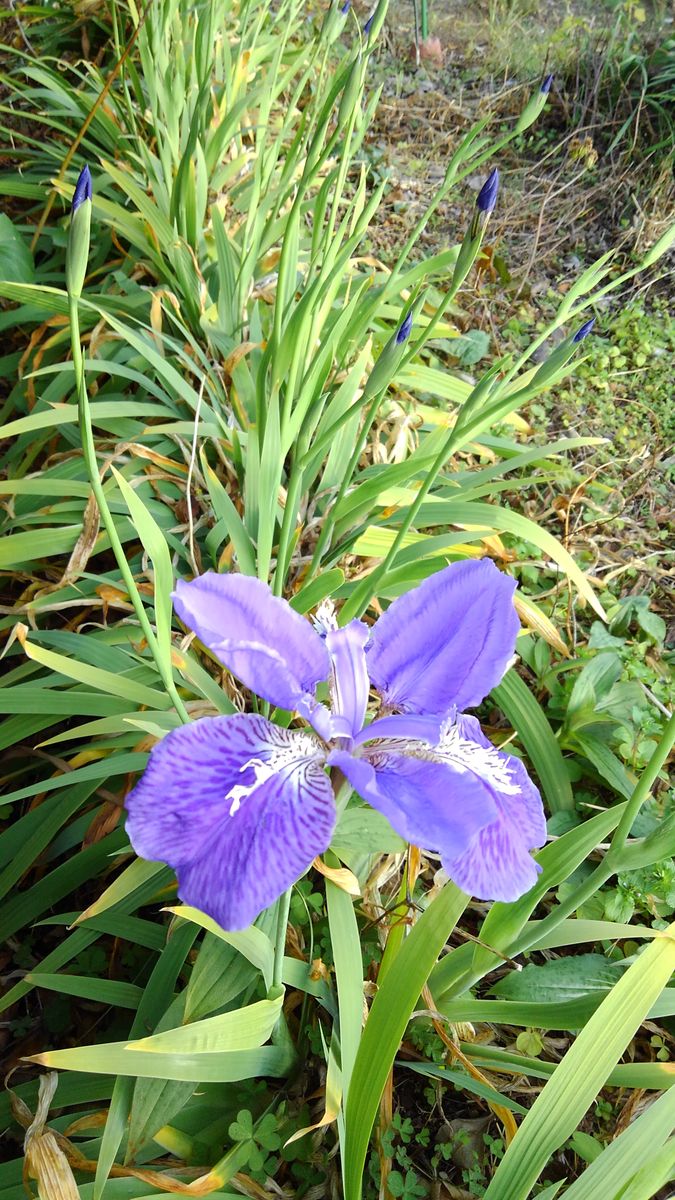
[(89, 454), (280, 941)]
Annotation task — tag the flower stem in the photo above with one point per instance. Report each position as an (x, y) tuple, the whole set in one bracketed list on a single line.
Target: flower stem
[(280, 943), (89, 454)]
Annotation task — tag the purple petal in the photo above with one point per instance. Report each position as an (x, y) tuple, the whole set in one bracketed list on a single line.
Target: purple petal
[(260, 639), (406, 726), (349, 685), (426, 802), (239, 807), (497, 865), (447, 642)]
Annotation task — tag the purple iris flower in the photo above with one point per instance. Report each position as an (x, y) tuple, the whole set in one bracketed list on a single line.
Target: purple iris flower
[(240, 807), (546, 84)]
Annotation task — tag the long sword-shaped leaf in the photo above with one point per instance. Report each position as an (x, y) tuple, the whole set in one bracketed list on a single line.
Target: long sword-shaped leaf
[(389, 1015), (577, 1080)]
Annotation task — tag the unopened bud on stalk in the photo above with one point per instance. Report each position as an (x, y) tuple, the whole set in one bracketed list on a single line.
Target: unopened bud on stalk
[(404, 330), (375, 21), (387, 364), (77, 253), (559, 357), (333, 21), (534, 105), (485, 203), (487, 196), (584, 331)]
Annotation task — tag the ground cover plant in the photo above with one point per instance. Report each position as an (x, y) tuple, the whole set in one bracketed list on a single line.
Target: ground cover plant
[(267, 493)]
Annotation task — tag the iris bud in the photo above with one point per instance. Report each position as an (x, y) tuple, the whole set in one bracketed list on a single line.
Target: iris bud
[(583, 331), (333, 21), (534, 105), (404, 330), (387, 364), (560, 356), (77, 253), (487, 196), (375, 21)]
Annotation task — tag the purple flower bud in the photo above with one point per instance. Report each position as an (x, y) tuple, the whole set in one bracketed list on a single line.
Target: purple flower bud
[(487, 196), (584, 331), (346, 7), (546, 85), (404, 332), (366, 27), (82, 189)]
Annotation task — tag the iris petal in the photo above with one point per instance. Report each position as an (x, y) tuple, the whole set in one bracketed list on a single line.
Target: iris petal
[(403, 726), (259, 638), (350, 678), (238, 807), (497, 864), (447, 642), (426, 802)]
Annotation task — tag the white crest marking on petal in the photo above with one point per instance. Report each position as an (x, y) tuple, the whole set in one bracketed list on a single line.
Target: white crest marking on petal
[(303, 746), (483, 761), (325, 618)]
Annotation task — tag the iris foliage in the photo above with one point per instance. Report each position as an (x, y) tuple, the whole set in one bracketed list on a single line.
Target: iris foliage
[(219, 397)]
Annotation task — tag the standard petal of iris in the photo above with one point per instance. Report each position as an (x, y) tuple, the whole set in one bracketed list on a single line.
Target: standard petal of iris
[(349, 685), (428, 803), (497, 864), (447, 642), (404, 727), (238, 807), (260, 639)]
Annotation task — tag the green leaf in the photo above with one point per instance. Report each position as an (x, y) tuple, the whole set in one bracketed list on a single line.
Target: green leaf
[(16, 260), (577, 1080), (346, 947), (243, 1029), (559, 979), (253, 943), (155, 545), (630, 1156), (543, 748), (389, 1015), (94, 677), (103, 991), (464, 1082), (606, 763), (114, 1058), (365, 830)]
